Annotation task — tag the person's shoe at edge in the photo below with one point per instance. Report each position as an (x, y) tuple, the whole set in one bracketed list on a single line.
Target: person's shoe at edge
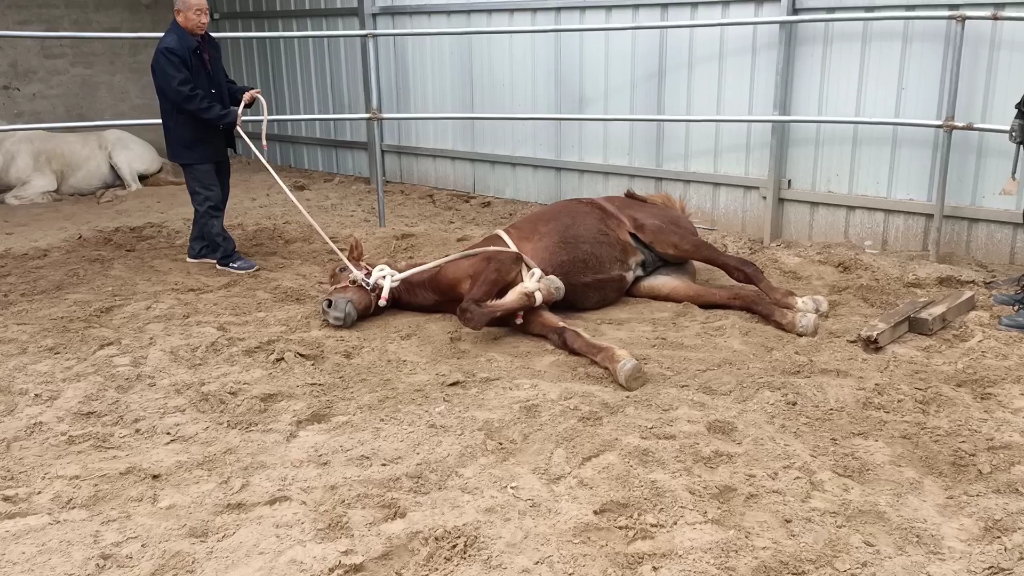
[(1013, 322)]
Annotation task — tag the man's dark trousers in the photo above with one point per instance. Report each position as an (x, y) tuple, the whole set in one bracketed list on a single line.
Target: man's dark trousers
[(209, 186)]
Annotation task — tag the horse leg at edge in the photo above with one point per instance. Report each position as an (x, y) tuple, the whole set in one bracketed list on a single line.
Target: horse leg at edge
[(675, 284), (627, 371)]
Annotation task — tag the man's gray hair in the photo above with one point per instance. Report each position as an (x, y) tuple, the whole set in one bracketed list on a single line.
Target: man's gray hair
[(181, 4)]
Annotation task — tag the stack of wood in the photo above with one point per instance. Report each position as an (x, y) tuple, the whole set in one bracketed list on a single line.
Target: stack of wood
[(924, 316)]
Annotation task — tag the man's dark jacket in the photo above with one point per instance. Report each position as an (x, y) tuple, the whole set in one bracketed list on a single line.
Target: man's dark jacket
[(198, 107)]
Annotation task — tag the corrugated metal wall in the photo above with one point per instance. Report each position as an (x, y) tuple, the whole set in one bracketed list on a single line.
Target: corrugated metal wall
[(643, 72), (301, 76), (882, 69), (898, 69)]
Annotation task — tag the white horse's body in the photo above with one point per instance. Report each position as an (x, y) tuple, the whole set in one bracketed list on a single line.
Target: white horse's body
[(39, 166)]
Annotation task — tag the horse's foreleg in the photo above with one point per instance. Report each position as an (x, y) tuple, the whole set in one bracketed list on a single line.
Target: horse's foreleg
[(682, 248), (674, 284), (475, 314), (626, 370), (42, 188)]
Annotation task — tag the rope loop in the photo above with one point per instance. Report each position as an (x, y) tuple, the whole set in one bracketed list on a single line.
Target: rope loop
[(531, 282), (387, 278), (266, 118)]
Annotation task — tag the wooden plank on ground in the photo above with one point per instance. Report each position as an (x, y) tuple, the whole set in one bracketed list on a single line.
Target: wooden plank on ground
[(892, 324), (936, 315)]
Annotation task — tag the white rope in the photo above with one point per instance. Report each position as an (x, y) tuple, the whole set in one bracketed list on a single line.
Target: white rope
[(531, 277), (382, 274), (389, 278), (242, 133)]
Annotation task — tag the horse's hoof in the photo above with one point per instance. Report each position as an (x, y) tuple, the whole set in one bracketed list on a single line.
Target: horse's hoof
[(812, 305), (556, 287), (630, 375), (807, 324)]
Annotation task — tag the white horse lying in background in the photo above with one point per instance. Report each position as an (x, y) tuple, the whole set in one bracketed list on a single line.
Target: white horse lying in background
[(38, 166)]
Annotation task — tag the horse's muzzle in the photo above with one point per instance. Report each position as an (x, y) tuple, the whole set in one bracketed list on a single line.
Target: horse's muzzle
[(338, 312)]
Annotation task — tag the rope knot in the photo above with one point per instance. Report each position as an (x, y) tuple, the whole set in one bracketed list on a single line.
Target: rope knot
[(531, 282), (387, 277)]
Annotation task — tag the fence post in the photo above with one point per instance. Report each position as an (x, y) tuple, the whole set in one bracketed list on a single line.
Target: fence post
[(780, 107), (935, 236), (371, 96)]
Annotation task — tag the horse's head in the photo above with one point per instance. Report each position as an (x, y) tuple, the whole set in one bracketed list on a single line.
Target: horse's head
[(350, 298)]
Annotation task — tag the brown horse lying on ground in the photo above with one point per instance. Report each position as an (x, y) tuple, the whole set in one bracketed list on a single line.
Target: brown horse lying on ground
[(601, 249)]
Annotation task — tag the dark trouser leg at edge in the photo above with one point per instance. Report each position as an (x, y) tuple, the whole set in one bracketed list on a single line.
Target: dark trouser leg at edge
[(224, 179), (1013, 322)]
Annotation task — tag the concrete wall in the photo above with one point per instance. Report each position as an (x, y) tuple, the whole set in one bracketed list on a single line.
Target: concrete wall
[(79, 80)]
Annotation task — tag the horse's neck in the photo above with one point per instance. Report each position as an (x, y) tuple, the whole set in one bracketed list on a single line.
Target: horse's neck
[(406, 266), (415, 292)]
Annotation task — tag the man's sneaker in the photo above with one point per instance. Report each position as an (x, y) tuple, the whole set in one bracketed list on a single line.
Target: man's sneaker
[(1011, 282), (1013, 322), (1008, 299), (240, 265), (1016, 299), (192, 260)]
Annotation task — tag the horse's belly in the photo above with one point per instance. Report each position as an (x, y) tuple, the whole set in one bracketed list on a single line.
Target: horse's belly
[(90, 179), (594, 293), (589, 252)]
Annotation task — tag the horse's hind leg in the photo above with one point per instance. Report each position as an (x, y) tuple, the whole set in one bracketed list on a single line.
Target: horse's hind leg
[(678, 248), (122, 162), (675, 284), (626, 370)]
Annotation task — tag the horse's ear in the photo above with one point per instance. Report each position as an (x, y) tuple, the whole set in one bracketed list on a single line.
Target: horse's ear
[(355, 250)]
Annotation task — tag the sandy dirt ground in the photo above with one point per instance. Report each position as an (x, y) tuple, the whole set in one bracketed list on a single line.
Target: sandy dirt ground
[(165, 418)]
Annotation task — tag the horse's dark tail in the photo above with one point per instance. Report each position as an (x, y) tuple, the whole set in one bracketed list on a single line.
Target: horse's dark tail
[(170, 174)]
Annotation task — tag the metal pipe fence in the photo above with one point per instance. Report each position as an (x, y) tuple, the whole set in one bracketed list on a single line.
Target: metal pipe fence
[(854, 121), (375, 116), (156, 122), (935, 237), (715, 23)]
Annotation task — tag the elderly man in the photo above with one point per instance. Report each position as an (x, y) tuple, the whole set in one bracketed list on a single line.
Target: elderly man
[(199, 109)]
